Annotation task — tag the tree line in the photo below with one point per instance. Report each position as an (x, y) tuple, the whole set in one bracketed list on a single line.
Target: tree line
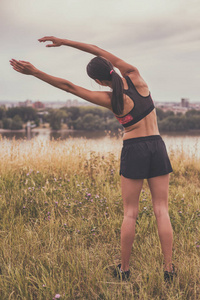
[(169, 121), (90, 118), (14, 118)]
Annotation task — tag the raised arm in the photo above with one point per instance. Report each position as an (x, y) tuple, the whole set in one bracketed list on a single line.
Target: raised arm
[(124, 67), (99, 98)]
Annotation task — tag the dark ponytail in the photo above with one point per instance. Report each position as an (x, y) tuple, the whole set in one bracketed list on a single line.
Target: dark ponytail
[(101, 69), (117, 100)]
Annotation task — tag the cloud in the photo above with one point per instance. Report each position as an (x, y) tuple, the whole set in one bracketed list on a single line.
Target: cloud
[(157, 36)]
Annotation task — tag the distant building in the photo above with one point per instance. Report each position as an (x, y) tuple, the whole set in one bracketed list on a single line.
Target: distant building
[(8, 104), (184, 102), (38, 105), (27, 103), (54, 105), (177, 107), (68, 103), (75, 102), (195, 106)]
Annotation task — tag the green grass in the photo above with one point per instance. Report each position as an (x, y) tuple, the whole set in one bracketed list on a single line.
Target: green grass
[(60, 217)]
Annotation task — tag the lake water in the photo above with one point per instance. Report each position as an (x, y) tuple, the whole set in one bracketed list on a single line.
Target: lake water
[(189, 142)]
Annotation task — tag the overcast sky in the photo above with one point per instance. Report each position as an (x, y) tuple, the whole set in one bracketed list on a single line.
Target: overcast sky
[(160, 37)]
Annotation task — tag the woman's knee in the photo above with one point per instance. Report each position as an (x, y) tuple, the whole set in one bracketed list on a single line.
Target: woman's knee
[(131, 213), (160, 211)]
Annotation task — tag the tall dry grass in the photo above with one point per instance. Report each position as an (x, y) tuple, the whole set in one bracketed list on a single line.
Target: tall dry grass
[(60, 218)]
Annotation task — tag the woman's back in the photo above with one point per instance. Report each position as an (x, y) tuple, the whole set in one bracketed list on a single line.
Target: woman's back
[(139, 116)]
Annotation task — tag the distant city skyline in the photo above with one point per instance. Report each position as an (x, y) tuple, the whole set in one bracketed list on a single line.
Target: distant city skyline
[(183, 102), (161, 38)]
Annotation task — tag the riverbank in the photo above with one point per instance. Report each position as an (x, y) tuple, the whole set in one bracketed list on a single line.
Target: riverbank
[(48, 129), (100, 140), (37, 129)]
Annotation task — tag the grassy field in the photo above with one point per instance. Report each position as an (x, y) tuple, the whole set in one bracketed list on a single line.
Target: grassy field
[(60, 218)]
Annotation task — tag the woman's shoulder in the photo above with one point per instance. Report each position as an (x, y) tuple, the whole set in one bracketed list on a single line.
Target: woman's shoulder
[(136, 79)]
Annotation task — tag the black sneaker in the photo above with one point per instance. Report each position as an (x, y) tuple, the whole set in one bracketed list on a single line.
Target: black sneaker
[(169, 276), (123, 275)]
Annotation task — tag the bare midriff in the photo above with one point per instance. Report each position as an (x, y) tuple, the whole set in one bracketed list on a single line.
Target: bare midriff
[(146, 127)]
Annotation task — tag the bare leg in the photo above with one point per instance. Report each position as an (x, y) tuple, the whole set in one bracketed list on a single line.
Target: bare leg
[(159, 191), (131, 189)]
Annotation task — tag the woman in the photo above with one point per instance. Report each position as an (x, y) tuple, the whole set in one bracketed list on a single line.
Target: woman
[(143, 154)]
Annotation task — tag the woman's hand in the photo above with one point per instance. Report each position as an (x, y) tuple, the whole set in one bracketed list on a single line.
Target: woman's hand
[(56, 42), (23, 67)]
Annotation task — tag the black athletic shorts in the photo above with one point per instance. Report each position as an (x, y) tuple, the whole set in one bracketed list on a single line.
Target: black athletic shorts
[(144, 157)]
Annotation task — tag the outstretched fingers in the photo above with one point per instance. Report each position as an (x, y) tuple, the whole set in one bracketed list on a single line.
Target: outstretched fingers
[(51, 45), (14, 62), (55, 41), (45, 39), (17, 66), (23, 62), (20, 66), (18, 69)]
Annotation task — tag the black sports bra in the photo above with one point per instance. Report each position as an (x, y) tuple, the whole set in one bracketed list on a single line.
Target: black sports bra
[(142, 106)]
